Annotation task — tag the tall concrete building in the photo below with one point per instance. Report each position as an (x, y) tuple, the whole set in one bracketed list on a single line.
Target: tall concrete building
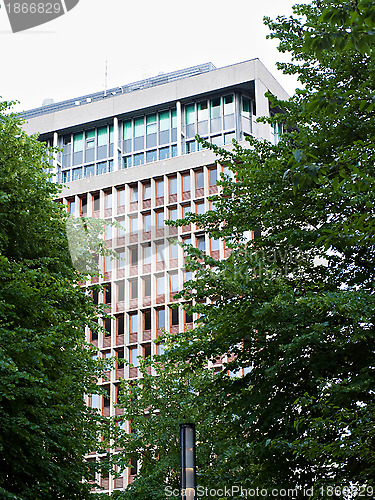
[(129, 155)]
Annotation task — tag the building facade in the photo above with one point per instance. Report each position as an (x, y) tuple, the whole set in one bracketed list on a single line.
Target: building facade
[(130, 155)]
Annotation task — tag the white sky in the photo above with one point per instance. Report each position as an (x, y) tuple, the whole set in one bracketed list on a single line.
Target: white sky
[(66, 57)]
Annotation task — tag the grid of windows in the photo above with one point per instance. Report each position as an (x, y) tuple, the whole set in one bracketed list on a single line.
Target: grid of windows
[(140, 286), (153, 137), (213, 119), (149, 138), (86, 153)]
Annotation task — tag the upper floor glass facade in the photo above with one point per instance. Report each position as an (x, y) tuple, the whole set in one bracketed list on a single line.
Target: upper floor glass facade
[(149, 137)]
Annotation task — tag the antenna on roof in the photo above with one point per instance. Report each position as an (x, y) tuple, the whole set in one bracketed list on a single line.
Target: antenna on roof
[(105, 79)]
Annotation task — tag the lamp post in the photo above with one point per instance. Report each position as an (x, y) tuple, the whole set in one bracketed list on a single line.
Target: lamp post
[(188, 479)]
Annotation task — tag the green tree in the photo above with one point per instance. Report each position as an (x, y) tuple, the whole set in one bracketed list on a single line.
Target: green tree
[(296, 303), (46, 367), (155, 405)]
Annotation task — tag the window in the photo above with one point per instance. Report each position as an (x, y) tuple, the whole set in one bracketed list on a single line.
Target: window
[(160, 219), (174, 317), (151, 124), (215, 245), (139, 132), (199, 208), (90, 139), (147, 191), (77, 174), (95, 296), (159, 188), (190, 147), (139, 159), (127, 132), (72, 207), (160, 252), (151, 156), (229, 137), (120, 290), (147, 286), (107, 326), (160, 318), (174, 282), (173, 214), (163, 129), (213, 176), (134, 467), (121, 231), (139, 127), (134, 225), (102, 136), (78, 142), (108, 199), (160, 285), (121, 197), (121, 260), (101, 168), (164, 153), (147, 350), (188, 317), (163, 121), (83, 202), (215, 105), (202, 111), (108, 263), (133, 323), (134, 194), (187, 240), (147, 320), (89, 170), (134, 256), (133, 356), (67, 142), (174, 119), (127, 137), (188, 276), (217, 140), (94, 335), (120, 327), (106, 399), (190, 114), (94, 401), (173, 250), (186, 182), (246, 108), (173, 185), (147, 254), (127, 162), (107, 294), (228, 105), (201, 243), (151, 129), (133, 289), (147, 223), (120, 357), (199, 179), (186, 209)]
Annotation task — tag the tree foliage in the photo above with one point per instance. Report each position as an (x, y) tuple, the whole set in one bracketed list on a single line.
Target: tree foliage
[(45, 365), (295, 304)]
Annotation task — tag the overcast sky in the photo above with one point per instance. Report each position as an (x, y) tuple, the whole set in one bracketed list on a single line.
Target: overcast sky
[(66, 57)]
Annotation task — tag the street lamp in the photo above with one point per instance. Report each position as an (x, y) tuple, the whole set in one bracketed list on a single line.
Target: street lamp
[(188, 480)]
